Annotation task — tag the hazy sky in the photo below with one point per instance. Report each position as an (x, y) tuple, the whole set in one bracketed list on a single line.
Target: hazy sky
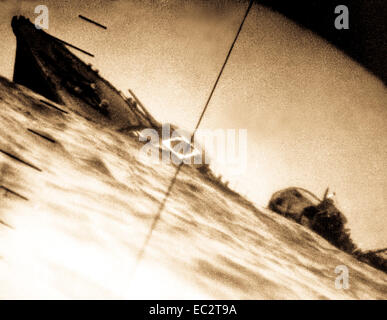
[(314, 117)]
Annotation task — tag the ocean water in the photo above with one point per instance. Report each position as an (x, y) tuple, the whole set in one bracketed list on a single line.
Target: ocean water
[(75, 214)]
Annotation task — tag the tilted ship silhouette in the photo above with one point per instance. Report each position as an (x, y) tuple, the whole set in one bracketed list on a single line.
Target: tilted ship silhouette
[(46, 66)]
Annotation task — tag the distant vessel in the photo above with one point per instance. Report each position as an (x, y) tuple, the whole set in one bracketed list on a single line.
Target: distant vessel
[(323, 217)]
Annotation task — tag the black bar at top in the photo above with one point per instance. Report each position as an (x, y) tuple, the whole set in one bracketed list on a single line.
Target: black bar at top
[(91, 21)]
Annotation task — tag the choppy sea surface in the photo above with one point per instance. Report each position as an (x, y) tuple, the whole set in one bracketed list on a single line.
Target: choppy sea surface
[(72, 224)]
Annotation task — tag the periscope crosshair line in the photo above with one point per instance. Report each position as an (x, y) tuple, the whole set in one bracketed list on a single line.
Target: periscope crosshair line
[(173, 181)]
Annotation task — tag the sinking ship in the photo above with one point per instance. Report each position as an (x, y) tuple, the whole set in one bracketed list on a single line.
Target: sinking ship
[(45, 65)]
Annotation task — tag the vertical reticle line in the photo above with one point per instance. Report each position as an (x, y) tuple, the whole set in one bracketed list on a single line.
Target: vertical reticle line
[(223, 66), (173, 181)]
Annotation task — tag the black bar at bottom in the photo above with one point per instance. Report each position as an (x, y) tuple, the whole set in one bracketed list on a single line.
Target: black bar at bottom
[(190, 309)]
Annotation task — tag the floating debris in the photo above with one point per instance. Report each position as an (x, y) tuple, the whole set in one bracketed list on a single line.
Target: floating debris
[(41, 135), (92, 21), (20, 160), (13, 192), (52, 106)]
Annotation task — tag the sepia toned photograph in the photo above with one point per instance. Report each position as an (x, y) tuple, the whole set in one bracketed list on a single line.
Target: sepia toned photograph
[(166, 150)]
